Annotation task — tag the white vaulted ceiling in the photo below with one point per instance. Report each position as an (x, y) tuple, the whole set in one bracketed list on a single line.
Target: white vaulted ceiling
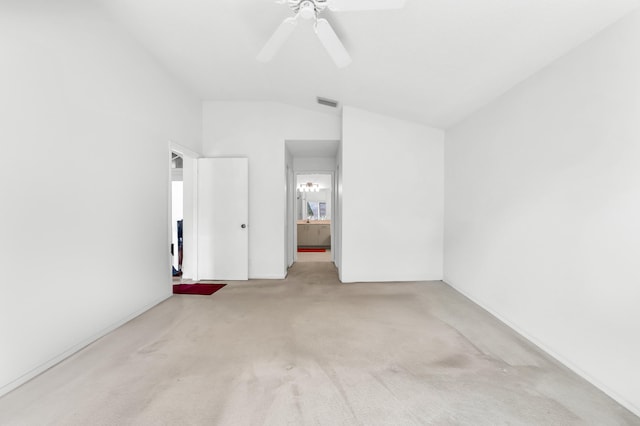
[(434, 62)]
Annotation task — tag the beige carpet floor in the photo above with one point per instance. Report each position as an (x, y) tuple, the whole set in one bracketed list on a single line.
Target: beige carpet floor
[(314, 257), (308, 350)]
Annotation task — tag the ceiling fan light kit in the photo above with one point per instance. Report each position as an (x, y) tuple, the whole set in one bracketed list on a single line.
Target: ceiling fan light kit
[(307, 10), (310, 9)]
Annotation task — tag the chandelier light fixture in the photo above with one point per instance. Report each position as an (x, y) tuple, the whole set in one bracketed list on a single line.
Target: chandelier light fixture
[(309, 187)]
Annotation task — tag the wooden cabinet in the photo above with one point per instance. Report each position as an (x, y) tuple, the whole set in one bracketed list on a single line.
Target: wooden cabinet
[(314, 235), (324, 235), (304, 235)]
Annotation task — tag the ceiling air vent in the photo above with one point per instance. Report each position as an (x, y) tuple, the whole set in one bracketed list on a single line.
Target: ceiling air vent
[(328, 102)]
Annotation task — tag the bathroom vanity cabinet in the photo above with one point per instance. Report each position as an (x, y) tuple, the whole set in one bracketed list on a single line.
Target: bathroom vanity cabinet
[(314, 234)]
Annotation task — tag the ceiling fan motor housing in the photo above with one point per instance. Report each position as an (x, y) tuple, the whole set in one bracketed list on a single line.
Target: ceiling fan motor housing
[(307, 9)]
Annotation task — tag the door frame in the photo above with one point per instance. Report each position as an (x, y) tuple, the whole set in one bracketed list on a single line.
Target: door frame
[(293, 241), (289, 221), (190, 209)]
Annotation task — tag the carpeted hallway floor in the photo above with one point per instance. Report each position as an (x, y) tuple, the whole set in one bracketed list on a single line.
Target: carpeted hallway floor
[(310, 351)]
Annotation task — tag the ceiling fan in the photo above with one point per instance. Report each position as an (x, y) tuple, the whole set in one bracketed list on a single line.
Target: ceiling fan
[(310, 9)]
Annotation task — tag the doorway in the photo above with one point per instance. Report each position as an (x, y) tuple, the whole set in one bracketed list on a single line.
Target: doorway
[(307, 163), (182, 204), (177, 215), (313, 213)]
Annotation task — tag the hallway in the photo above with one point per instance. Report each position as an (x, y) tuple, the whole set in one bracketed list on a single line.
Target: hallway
[(308, 350)]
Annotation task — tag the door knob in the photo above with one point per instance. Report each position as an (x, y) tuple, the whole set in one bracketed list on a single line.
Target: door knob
[(243, 226)]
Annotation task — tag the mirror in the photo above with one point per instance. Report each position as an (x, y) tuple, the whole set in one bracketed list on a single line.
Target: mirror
[(313, 196), (317, 210)]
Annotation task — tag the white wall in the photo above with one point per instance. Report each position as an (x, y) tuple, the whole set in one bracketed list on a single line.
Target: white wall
[(543, 208), (258, 130), (85, 123), (392, 199), (336, 223), (314, 164)]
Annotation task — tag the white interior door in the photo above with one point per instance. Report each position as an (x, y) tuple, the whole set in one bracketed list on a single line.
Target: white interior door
[(223, 212)]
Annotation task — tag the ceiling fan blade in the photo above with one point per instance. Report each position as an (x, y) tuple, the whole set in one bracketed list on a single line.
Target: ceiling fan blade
[(277, 39), (348, 5), (332, 43)]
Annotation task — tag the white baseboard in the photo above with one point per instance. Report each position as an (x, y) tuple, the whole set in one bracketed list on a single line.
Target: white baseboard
[(76, 348), (549, 351), (268, 277)]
